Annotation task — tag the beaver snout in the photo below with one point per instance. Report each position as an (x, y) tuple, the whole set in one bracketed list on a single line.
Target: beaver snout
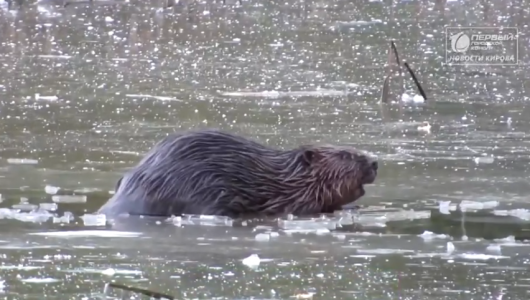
[(371, 168)]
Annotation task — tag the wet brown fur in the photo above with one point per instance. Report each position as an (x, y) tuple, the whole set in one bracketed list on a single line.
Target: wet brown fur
[(212, 172)]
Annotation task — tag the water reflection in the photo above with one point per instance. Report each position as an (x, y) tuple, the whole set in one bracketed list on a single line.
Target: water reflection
[(88, 88)]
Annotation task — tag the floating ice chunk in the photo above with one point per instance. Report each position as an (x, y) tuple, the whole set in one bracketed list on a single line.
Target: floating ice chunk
[(161, 98), (86, 190), (429, 236), (22, 161), (24, 206), (344, 218), (425, 127), (7, 213), (46, 98), (402, 215), (204, 220), (450, 248), (87, 233), (263, 237), (66, 218), (484, 160), (321, 231), (108, 272), (94, 220), (274, 234), (252, 261), (50, 98), (494, 248), (33, 217), (39, 280), (51, 190), (314, 224), (69, 198), (475, 205), (508, 239), (108, 19), (445, 207), (415, 99), (479, 256), (384, 251), (521, 213), (48, 206)]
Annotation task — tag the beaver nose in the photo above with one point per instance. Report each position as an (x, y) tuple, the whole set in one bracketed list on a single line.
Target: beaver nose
[(375, 165)]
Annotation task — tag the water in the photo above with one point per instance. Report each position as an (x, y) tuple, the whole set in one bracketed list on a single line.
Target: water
[(86, 90)]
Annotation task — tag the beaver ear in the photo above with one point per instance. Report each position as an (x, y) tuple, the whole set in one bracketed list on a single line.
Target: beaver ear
[(309, 156)]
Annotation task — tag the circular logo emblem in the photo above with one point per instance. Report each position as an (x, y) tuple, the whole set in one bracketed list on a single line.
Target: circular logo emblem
[(460, 42)]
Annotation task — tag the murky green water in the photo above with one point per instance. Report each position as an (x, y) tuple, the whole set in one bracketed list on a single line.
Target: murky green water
[(85, 90)]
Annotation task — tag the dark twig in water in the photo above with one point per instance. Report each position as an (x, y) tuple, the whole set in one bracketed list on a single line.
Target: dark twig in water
[(386, 83), (420, 89), (386, 89), (385, 95), (145, 292), (396, 55), (393, 45)]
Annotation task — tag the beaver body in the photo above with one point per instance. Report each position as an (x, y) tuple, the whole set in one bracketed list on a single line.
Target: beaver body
[(211, 172)]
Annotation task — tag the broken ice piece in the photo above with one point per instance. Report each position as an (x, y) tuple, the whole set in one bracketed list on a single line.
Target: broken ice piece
[(444, 207), (69, 198), (508, 239), (450, 247), (475, 205), (25, 206), (22, 161), (94, 220), (252, 261), (66, 218), (494, 248), (263, 237), (51, 190), (48, 206), (307, 224), (521, 213), (483, 160), (429, 236)]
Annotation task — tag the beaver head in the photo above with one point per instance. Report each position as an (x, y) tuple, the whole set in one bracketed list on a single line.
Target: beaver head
[(335, 176)]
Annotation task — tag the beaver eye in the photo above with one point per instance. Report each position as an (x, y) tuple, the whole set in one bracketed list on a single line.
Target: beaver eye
[(346, 155)]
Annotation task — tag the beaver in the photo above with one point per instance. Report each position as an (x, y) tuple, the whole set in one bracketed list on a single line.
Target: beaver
[(212, 172)]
